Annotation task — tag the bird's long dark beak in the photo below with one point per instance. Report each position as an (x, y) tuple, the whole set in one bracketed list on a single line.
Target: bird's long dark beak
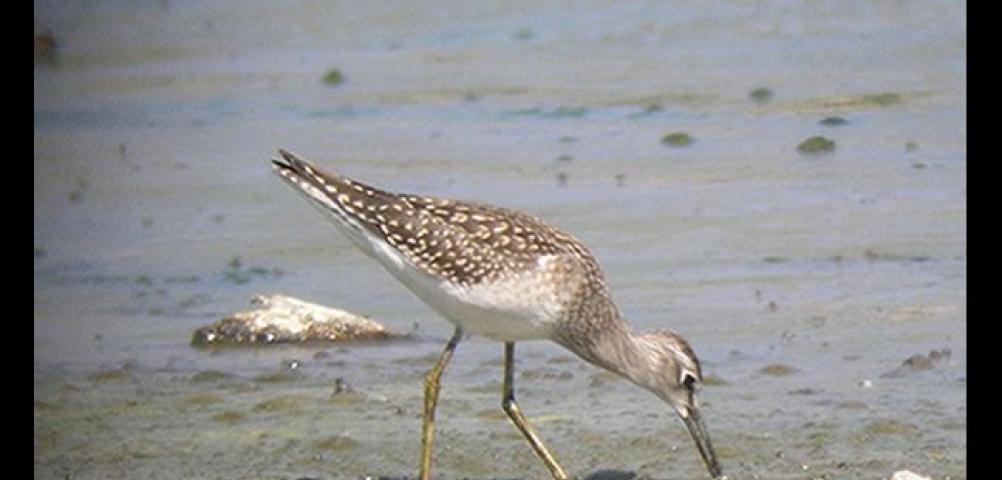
[(700, 435)]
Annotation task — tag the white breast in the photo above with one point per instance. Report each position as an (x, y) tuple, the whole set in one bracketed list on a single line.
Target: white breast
[(522, 307)]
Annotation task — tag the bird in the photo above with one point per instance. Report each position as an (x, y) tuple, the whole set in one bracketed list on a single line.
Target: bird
[(508, 276)]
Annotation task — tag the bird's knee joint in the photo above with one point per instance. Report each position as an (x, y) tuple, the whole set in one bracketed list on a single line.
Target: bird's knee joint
[(430, 383), (432, 376)]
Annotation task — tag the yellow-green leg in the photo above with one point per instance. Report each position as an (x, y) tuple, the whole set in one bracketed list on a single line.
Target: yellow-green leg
[(430, 400), (511, 408)]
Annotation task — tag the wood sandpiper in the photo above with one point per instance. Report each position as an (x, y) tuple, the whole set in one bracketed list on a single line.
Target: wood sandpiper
[(507, 276)]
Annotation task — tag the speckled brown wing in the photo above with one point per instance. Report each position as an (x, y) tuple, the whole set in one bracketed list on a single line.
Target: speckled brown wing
[(480, 242), (464, 242)]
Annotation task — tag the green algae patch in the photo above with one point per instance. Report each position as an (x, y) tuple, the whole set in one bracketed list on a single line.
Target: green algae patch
[(866, 100), (816, 145), (852, 405), (777, 370), (833, 121), (649, 109), (346, 398), (761, 95), (890, 427), (229, 417), (661, 100), (333, 77), (283, 403), (209, 376), (562, 111), (239, 274), (818, 436), (653, 108), (677, 139), (714, 380), (884, 99), (566, 112), (108, 375), (524, 34), (201, 399), (336, 443), (884, 428), (275, 377)]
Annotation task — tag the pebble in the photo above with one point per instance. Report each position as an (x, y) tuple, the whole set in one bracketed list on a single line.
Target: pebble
[(908, 475)]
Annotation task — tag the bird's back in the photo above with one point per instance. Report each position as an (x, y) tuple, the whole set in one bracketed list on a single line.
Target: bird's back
[(492, 270)]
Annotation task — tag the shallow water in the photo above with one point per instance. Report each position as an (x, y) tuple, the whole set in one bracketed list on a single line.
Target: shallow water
[(801, 280)]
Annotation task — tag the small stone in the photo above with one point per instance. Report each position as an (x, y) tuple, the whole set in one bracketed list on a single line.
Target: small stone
[(908, 475)]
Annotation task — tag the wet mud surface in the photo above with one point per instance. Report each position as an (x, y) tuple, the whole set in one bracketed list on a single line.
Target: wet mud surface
[(824, 291)]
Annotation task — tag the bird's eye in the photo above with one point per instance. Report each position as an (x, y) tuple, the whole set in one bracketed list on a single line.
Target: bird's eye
[(688, 381)]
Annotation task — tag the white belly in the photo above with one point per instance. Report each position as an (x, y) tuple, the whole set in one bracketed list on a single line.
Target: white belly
[(519, 308), (509, 311)]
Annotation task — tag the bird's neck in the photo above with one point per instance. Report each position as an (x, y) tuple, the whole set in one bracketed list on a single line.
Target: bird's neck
[(627, 354), (614, 346), (604, 338)]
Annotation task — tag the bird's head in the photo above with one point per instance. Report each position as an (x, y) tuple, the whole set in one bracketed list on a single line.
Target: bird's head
[(672, 373)]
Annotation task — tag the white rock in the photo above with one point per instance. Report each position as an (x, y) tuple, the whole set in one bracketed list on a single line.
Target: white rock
[(908, 475), (281, 319)]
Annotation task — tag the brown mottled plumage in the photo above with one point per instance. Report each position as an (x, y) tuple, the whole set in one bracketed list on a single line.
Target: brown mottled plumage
[(464, 242), (508, 276)]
